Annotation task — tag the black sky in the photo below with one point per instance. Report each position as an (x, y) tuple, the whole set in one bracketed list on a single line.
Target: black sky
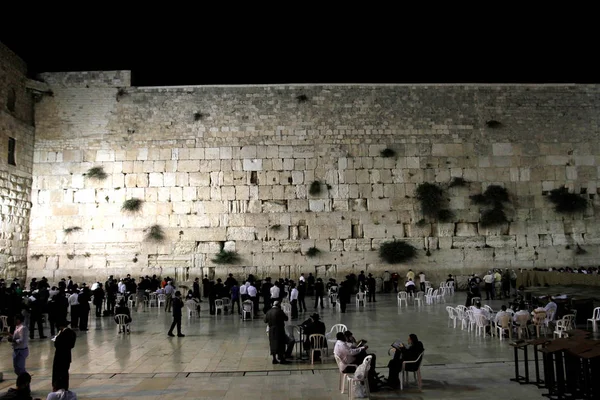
[(246, 57)]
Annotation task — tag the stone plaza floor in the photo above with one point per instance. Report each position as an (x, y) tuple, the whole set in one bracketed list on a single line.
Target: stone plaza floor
[(226, 358)]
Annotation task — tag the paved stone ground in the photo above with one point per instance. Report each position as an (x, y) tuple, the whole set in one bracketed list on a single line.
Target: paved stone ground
[(226, 358)]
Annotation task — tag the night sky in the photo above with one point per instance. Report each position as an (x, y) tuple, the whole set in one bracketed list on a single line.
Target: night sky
[(250, 59)]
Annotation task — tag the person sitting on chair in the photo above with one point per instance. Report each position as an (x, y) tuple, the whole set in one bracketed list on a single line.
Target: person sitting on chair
[(355, 355), (409, 352), (194, 300), (122, 309), (410, 287), (22, 391), (313, 325)]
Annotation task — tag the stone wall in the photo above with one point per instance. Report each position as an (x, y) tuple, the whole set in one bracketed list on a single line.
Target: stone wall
[(16, 119), (230, 167)]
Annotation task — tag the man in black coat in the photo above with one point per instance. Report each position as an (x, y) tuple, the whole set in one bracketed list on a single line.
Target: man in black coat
[(205, 286), (196, 288), (410, 352), (319, 292), (265, 291), (372, 286), (276, 318), (63, 343), (84, 307), (177, 306)]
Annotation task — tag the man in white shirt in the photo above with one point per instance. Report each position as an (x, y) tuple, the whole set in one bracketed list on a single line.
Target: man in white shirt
[(302, 278), (122, 287), (478, 311), (347, 354), (294, 300), (20, 340), (244, 292), (489, 285), (275, 291), (253, 296), (410, 286), (169, 290), (422, 281), (74, 305)]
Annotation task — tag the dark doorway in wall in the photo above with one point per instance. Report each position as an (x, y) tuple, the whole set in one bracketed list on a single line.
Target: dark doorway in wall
[(11, 100), (12, 145)]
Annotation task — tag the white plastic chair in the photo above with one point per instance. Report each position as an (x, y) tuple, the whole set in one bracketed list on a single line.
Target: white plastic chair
[(491, 311), (440, 297), (419, 299), (504, 323), (4, 320), (343, 375), (450, 286), (333, 332), (354, 380), (570, 318), (122, 324), (430, 296), (162, 299), (452, 315), (471, 320), (247, 310), (562, 326), (219, 306), (317, 343), (287, 309), (192, 308), (333, 299), (416, 374), (522, 327), (538, 321), (595, 318), (360, 298), (480, 322), (402, 297), (152, 300)]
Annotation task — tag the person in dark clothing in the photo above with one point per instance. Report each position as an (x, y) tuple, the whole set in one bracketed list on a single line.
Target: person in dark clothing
[(177, 306), (410, 352), (84, 308), (343, 295), (309, 327), (230, 281), (310, 282), (319, 292), (205, 286), (196, 288), (98, 299), (35, 316), (276, 318), (372, 286), (211, 292), (265, 291), (235, 298), (63, 343), (22, 391), (362, 281), (301, 295), (53, 313), (123, 309), (111, 296)]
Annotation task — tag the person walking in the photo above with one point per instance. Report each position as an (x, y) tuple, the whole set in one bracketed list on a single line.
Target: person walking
[(177, 306), (63, 343), (319, 292), (20, 341)]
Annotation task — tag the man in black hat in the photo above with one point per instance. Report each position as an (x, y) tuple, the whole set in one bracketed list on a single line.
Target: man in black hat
[(177, 306), (372, 286), (278, 339), (319, 292), (63, 343), (312, 326)]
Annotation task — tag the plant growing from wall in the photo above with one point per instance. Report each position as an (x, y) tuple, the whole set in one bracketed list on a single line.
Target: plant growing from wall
[(71, 229), (387, 152), (396, 252), (276, 227), (121, 93), (312, 252), (96, 173), (37, 256), (432, 202), (458, 182), (493, 199), (132, 205), (70, 256), (493, 124), (226, 257), (302, 98), (315, 188), (565, 202), (155, 233), (200, 116)]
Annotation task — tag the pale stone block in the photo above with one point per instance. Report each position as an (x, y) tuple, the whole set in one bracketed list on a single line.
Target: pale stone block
[(472, 242), (297, 177), (211, 153), (502, 149), (228, 193), (77, 181), (240, 233), (155, 179), (317, 205), (130, 180), (571, 173), (286, 152), (589, 160), (362, 176), (225, 153), (105, 155), (252, 165), (445, 242), (413, 162), (378, 204), (84, 196), (248, 152), (164, 194), (501, 241), (142, 154), (176, 194), (148, 166), (199, 179), (188, 166), (374, 231), (197, 153), (524, 174), (215, 193), (288, 164), (466, 229), (71, 156), (444, 229)]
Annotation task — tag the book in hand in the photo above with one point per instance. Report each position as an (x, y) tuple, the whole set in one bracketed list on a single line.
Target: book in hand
[(397, 344), (361, 343)]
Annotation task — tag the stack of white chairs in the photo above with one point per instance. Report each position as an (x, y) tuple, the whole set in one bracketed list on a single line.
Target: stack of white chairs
[(430, 296), (471, 320), (450, 288), (360, 298), (440, 298)]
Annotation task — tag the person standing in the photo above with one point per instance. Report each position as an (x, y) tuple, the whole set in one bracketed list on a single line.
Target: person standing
[(177, 306), (205, 288), (343, 295), (20, 341), (253, 296), (319, 292), (63, 343), (196, 288), (84, 308), (387, 281), (35, 316), (301, 296), (235, 298), (169, 289), (276, 318), (372, 286), (489, 286), (294, 300), (74, 304), (310, 284), (98, 299), (265, 291)]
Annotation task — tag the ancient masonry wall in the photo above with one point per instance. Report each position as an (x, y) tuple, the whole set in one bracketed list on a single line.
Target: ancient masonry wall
[(230, 167), (16, 122)]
